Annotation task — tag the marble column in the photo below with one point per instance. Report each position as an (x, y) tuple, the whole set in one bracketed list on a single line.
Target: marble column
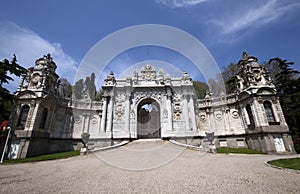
[(84, 122), (186, 112), (104, 112), (192, 113), (110, 115), (227, 122), (247, 116), (169, 110), (276, 117), (127, 114)]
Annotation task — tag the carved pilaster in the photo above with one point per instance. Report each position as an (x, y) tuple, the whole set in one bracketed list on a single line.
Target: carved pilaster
[(104, 113)]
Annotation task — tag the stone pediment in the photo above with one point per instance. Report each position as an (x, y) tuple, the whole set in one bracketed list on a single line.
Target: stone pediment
[(243, 95), (26, 95), (266, 91)]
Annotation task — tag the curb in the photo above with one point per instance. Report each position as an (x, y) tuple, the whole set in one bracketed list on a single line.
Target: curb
[(188, 146), (109, 147), (281, 168)]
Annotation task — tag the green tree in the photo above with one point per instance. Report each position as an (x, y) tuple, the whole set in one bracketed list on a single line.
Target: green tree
[(99, 95), (216, 85), (287, 82), (90, 86), (229, 76), (65, 89), (86, 86), (284, 76), (7, 69), (200, 89), (78, 89)]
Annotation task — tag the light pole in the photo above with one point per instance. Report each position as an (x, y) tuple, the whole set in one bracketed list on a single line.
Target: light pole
[(5, 145)]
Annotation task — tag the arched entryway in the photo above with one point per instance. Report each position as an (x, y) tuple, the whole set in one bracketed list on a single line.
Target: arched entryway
[(148, 115)]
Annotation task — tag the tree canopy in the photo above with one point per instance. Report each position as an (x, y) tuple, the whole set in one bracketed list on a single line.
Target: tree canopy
[(86, 86), (229, 76), (65, 89), (7, 69), (200, 89), (287, 82)]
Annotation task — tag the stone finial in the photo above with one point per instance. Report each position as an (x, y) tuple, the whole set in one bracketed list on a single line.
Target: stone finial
[(186, 78), (245, 55), (185, 75), (110, 78), (14, 59), (160, 71), (49, 56), (207, 94), (135, 72)]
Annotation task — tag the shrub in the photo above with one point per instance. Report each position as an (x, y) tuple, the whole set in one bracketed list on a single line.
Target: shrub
[(297, 148)]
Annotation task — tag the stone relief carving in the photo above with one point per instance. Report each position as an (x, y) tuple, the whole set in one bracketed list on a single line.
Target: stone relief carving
[(120, 98), (165, 113), (119, 106), (148, 73), (218, 115), (149, 94), (119, 111), (94, 120), (177, 98), (77, 119), (235, 114), (35, 81), (202, 116), (132, 113), (251, 73), (177, 113)]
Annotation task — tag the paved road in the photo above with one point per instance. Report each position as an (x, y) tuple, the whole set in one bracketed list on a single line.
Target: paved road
[(111, 171)]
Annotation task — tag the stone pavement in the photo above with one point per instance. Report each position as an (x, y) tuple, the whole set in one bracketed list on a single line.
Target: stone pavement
[(150, 167)]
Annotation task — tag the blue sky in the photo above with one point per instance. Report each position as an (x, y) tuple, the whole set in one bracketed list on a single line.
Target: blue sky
[(69, 29)]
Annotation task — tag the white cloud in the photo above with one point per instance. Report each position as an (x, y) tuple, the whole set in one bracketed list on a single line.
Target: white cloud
[(29, 46), (252, 16), (231, 20), (179, 3)]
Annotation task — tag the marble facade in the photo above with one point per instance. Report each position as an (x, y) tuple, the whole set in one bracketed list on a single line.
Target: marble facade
[(147, 104)]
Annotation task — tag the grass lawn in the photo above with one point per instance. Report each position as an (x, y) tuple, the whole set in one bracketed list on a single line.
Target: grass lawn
[(237, 151), (43, 157), (293, 163)]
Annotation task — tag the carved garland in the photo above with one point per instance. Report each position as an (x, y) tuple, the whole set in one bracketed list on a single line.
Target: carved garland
[(177, 114), (119, 106), (140, 95)]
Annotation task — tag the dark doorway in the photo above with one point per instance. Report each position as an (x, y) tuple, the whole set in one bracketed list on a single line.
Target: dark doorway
[(148, 119)]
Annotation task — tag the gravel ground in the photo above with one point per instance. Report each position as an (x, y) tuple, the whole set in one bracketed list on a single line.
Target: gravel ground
[(189, 172)]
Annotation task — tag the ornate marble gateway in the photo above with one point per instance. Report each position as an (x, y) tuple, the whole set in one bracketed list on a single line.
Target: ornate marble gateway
[(147, 104)]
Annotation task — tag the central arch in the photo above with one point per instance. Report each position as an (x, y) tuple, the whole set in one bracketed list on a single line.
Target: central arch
[(148, 117)]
